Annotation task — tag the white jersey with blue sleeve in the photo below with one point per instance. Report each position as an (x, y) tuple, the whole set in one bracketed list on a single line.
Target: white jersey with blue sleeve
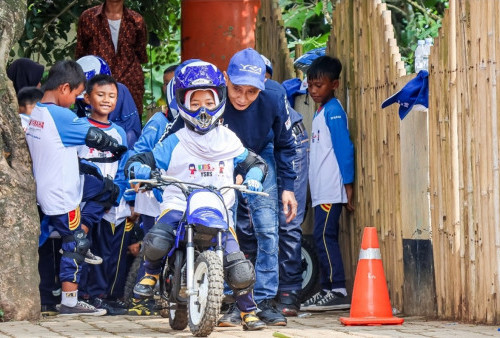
[(331, 155), (145, 202), (207, 159), (53, 135), (105, 160), (109, 166)]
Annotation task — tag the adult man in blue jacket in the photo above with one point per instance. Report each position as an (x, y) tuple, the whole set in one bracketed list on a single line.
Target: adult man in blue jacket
[(260, 118)]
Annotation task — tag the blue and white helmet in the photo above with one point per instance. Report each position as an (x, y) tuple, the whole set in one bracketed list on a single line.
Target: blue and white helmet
[(191, 76), (93, 65), (172, 104)]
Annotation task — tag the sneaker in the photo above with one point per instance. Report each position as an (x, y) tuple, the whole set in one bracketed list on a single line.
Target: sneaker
[(141, 307), (251, 322), (118, 303), (49, 310), (90, 258), (80, 309), (313, 300), (146, 286), (332, 301), (100, 303), (231, 318), (269, 314), (288, 303)]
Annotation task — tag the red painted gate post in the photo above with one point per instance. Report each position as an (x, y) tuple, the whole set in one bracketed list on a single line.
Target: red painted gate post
[(213, 30)]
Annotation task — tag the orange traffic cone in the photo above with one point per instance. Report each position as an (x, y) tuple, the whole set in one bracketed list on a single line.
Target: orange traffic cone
[(370, 303)]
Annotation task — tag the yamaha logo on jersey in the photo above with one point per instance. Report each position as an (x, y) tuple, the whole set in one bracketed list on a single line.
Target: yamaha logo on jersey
[(36, 124), (251, 69)]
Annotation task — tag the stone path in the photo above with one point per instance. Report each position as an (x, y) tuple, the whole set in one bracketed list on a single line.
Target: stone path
[(311, 325)]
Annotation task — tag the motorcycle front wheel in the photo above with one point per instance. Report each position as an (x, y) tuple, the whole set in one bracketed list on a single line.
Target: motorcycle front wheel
[(204, 306)]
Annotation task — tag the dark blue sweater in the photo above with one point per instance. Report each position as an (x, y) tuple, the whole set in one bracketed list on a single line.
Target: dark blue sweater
[(267, 120)]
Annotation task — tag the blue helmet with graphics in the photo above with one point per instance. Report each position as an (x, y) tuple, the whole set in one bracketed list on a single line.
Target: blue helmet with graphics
[(93, 65), (190, 77), (172, 105)]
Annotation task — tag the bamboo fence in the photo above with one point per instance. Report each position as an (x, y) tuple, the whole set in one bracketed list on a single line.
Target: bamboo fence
[(464, 147), (270, 40), (362, 37), (452, 150)]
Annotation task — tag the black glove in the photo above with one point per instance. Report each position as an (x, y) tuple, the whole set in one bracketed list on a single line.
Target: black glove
[(98, 139), (114, 192)]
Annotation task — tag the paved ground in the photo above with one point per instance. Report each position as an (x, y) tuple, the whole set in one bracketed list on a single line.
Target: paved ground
[(312, 325)]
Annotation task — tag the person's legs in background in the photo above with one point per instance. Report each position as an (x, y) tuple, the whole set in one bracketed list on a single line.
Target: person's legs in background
[(139, 306), (48, 268), (290, 234), (333, 295), (109, 243), (92, 210)]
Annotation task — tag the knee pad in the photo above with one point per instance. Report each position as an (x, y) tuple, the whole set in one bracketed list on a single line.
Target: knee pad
[(82, 245), (158, 242), (239, 273)]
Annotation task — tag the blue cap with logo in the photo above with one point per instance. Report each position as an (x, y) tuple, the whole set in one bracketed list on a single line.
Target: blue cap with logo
[(415, 94), (247, 68)]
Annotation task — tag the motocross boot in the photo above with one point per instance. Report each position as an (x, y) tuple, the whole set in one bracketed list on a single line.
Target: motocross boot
[(251, 322), (146, 286)]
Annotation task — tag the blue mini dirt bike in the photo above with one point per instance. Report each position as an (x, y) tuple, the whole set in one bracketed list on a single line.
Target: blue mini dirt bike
[(192, 280)]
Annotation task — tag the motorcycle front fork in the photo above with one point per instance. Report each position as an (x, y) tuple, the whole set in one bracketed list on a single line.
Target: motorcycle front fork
[(190, 258)]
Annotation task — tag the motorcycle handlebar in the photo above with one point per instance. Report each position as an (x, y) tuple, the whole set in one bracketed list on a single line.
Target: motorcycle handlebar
[(162, 180)]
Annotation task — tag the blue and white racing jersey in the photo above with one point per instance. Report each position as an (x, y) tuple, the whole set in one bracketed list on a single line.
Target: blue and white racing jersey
[(207, 159), (110, 167), (331, 155), (53, 135)]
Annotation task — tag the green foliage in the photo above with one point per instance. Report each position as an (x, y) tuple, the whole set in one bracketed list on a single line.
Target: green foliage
[(50, 27), (305, 23), (50, 34), (46, 29), (415, 20), (1, 315)]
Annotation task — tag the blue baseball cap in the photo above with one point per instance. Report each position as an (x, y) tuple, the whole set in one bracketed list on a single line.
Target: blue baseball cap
[(246, 68), (414, 93)]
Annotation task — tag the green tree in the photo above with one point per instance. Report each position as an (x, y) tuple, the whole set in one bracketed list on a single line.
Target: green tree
[(414, 20), (308, 23), (49, 33)]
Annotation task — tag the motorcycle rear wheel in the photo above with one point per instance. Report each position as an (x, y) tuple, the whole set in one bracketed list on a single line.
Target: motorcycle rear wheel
[(177, 316), (204, 307)]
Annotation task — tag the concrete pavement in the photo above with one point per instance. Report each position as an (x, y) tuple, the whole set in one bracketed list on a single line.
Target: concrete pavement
[(324, 324)]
